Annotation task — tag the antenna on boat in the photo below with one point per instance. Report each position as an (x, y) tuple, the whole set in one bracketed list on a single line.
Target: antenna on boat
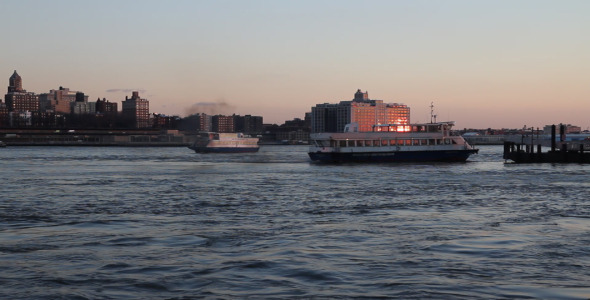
[(432, 115)]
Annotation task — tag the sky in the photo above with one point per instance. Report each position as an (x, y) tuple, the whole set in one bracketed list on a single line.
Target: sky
[(483, 64)]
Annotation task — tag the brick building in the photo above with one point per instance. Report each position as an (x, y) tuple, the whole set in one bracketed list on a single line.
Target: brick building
[(136, 111)]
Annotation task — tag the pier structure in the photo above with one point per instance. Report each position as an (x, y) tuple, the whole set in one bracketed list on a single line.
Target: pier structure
[(89, 137), (529, 149)]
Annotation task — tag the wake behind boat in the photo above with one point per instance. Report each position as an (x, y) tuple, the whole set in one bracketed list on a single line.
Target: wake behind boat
[(224, 143), (429, 142)]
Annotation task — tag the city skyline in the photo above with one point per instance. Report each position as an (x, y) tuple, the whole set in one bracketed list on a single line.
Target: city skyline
[(498, 64)]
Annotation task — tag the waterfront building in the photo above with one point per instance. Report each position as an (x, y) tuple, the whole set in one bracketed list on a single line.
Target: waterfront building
[(294, 131), (248, 124), (203, 122), (4, 115), (105, 107), (365, 112), (223, 124), (569, 128), (164, 121), (59, 101), (106, 113), (136, 111), (324, 118), (17, 99), (83, 108)]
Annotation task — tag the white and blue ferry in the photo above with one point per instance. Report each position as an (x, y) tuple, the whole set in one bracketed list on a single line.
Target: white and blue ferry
[(225, 143), (428, 142)]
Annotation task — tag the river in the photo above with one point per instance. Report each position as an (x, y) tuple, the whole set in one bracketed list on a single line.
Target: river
[(168, 223)]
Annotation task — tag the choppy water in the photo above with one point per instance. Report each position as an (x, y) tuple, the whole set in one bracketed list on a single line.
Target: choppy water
[(167, 223)]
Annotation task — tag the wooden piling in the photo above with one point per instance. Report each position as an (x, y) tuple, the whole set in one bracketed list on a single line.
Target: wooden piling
[(565, 152)]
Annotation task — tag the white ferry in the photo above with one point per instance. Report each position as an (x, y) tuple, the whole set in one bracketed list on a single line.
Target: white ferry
[(225, 143), (429, 142)]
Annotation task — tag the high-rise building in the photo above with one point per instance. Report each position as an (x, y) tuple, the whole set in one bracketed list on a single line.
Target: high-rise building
[(136, 111), (361, 110), (17, 99)]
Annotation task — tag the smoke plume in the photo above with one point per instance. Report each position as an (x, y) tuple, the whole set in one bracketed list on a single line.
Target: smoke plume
[(219, 107)]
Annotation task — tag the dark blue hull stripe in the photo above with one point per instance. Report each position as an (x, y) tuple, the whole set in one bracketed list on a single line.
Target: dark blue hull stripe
[(406, 156)]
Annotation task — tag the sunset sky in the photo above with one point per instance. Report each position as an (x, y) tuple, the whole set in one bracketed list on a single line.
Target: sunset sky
[(498, 64)]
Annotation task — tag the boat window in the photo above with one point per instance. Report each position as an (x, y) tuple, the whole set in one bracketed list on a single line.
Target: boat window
[(432, 142), (392, 142), (384, 142), (342, 143), (368, 143), (447, 141), (360, 143), (416, 142)]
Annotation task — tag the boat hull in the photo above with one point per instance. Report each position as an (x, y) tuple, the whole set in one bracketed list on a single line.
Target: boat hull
[(396, 156), (225, 149)]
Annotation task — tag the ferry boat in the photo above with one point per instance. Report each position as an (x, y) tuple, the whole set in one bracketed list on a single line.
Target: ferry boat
[(224, 143), (428, 142)]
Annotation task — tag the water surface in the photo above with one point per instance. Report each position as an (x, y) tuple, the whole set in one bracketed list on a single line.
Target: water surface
[(167, 223)]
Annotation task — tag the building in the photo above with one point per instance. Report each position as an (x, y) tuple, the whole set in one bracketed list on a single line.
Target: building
[(81, 106), (294, 131), (136, 111), (106, 113), (224, 124), (361, 110), (569, 128), (19, 100), (165, 122), (324, 117), (105, 107), (59, 101), (203, 123), (248, 124), (4, 115)]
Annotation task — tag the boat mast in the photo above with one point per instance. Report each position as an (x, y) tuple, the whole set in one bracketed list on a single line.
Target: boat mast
[(432, 115)]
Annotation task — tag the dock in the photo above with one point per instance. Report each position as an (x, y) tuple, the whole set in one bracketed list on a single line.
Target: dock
[(529, 149)]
